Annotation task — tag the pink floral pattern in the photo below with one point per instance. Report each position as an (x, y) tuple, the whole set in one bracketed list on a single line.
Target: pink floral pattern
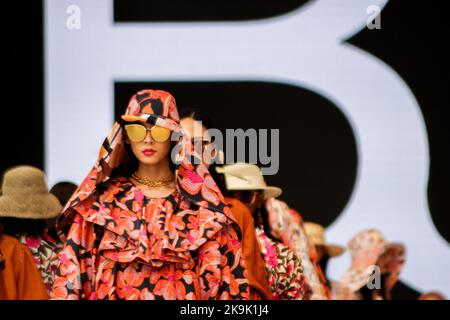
[(284, 270), (45, 251), (287, 225)]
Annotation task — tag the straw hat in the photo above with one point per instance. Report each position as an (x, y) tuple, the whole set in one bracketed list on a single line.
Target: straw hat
[(316, 233), (244, 176), (368, 249), (25, 195)]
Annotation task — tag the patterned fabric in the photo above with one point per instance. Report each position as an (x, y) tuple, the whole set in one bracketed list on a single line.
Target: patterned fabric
[(287, 225), (284, 270), (368, 250), (122, 245), (193, 178), (45, 252)]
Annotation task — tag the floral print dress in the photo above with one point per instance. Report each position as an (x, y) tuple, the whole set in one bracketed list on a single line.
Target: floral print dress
[(45, 253), (287, 225), (284, 270), (122, 245)]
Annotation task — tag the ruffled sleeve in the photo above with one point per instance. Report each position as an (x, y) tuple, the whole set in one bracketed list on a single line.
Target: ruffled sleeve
[(75, 272), (222, 269)]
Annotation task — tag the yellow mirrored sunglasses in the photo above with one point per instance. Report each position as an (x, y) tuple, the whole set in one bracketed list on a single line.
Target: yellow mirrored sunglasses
[(137, 132)]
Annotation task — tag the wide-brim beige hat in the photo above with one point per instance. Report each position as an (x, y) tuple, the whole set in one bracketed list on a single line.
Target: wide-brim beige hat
[(25, 195), (247, 177), (316, 233), (369, 249)]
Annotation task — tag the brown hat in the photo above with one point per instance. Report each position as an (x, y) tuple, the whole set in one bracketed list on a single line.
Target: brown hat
[(25, 195)]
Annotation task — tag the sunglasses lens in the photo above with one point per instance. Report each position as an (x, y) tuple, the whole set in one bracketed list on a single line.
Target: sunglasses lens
[(160, 134), (136, 132)]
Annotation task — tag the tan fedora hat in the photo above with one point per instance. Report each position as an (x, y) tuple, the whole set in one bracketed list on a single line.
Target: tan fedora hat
[(316, 233), (25, 195), (244, 176)]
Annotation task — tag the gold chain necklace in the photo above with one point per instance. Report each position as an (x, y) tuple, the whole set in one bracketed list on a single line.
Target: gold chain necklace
[(153, 183)]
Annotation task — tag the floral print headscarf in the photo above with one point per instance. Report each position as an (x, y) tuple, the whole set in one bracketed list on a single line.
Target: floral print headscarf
[(193, 179)]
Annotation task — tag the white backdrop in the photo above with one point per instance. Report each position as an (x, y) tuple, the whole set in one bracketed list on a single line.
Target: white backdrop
[(305, 49)]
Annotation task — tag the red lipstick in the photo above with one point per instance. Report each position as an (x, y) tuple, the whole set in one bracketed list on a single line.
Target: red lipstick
[(149, 152)]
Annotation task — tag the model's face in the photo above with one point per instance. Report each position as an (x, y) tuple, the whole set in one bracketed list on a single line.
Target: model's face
[(195, 128), (200, 139), (148, 151)]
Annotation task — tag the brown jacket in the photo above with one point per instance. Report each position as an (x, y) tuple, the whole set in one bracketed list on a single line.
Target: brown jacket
[(19, 279), (251, 251)]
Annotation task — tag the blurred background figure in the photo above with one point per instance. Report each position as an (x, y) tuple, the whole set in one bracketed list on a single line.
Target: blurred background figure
[(245, 182), (325, 252), (25, 205), (63, 191), (19, 277), (376, 265), (287, 225), (196, 123)]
